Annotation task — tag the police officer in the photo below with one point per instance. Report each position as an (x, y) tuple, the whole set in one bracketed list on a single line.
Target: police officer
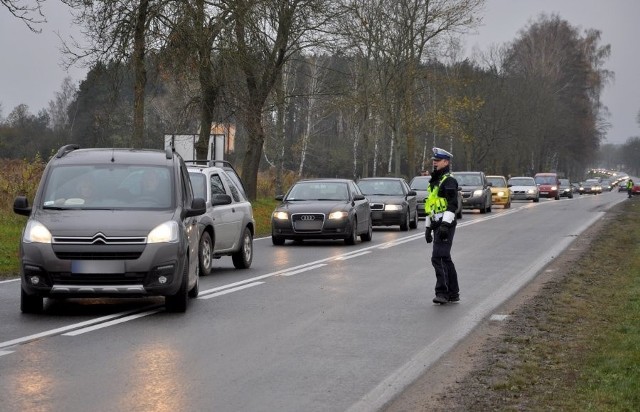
[(629, 187), (441, 204)]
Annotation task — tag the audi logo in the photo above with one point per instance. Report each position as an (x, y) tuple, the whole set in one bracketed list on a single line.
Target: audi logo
[(307, 217)]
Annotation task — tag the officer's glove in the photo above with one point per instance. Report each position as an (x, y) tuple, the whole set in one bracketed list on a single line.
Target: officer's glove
[(428, 236), (443, 231)]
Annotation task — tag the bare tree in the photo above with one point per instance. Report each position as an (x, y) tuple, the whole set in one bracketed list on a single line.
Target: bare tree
[(29, 11), (266, 34)]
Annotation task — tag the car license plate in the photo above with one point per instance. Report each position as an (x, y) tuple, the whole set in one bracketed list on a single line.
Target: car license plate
[(544, 193), (97, 266)]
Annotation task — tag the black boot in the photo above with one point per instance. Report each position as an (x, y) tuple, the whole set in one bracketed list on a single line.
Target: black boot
[(441, 299)]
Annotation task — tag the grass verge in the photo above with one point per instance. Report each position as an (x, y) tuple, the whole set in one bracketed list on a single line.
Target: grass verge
[(575, 346)]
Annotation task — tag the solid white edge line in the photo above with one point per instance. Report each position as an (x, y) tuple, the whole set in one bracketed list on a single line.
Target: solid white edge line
[(224, 292), (5, 352), (10, 280), (111, 323)]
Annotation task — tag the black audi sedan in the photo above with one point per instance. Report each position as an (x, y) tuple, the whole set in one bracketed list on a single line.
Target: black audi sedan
[(322, 209), (392, 201)]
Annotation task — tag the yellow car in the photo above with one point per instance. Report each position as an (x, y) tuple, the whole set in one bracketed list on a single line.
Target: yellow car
[(500, 193)]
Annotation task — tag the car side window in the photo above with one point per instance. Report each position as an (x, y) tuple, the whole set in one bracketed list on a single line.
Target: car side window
[(235, 193), (217, 188)]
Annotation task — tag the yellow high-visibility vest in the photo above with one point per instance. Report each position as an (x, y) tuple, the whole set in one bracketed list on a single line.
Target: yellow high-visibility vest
[(434, 204)]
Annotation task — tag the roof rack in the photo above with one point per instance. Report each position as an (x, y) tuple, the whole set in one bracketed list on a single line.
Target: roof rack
[(66, 149)]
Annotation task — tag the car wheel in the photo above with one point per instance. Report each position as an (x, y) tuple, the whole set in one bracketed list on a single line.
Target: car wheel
[(507, 205), (557, 197), (404, 226), (242, 259), (30, 304), (483, 210), (366, 237), (536, 200), (414, 221), (205, 254), (178, 303), (459, 214), (277, 240), (195, 290), (353, 237)]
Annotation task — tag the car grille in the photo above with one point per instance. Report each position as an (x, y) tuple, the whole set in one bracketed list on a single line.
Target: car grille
[(106, 255), (99, 239), (308, 222), (377, 206), (66, 278)]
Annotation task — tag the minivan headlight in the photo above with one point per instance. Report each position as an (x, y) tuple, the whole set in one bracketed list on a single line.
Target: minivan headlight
[(477, 193), (36, 232), (166, 232)]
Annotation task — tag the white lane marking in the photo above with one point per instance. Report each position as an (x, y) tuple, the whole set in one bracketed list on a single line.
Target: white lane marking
[(308, 268), (224, 292), (113, 322), (65, 328), (366, 252), (498, 318), (10, 280), (5, 352)]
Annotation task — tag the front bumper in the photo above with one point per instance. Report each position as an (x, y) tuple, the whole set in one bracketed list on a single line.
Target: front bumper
[(327, 229), (92, 271)]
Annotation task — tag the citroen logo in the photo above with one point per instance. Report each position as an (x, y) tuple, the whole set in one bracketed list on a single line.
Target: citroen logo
[(307, 217)]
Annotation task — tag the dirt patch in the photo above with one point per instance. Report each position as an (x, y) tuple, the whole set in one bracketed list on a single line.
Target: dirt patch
[(464, 377)]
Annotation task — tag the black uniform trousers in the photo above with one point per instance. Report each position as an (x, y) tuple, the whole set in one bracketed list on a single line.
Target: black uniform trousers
[(446, 275)]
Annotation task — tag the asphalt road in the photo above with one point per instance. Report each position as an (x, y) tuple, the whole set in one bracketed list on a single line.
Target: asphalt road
[(315, 326)]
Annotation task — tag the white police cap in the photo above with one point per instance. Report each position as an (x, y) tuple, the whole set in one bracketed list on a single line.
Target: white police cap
[(441, 154)]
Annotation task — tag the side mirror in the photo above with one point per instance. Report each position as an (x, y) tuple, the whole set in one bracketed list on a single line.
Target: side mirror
[(358, 197), (220, 199), (21, 206), (198, 207), (280, 198), (412, 193)]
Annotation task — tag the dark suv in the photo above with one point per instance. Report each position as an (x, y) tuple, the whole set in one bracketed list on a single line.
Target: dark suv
[(111, 222)]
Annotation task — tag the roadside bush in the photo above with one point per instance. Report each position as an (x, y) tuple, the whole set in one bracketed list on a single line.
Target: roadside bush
[(19, 177)]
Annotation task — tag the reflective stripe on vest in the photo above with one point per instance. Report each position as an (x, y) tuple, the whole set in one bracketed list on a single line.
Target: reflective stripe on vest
[(434, 204)]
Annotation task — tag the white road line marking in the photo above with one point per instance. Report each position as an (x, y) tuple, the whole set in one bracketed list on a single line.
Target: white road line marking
[(497, 317), (10, 280), (5, 352), (64, 329), (113, 322), (295, 272), (366, 252), (224, 292)]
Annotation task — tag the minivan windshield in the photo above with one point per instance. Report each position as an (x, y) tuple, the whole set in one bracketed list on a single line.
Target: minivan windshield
[(108, 187)]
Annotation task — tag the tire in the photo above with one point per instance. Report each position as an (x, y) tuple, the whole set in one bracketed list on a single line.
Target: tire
[(195, 290), (404, 226), (536, 200), (507, 205), (29, 303), (459, 214), (178, 303), (242, 258), (277, 240), (205, 254), (366, 237), (353, 237), (414, 222), (483, 210), (557, 197)]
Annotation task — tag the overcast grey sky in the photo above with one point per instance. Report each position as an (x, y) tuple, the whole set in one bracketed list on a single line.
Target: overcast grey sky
[(30, 70)]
